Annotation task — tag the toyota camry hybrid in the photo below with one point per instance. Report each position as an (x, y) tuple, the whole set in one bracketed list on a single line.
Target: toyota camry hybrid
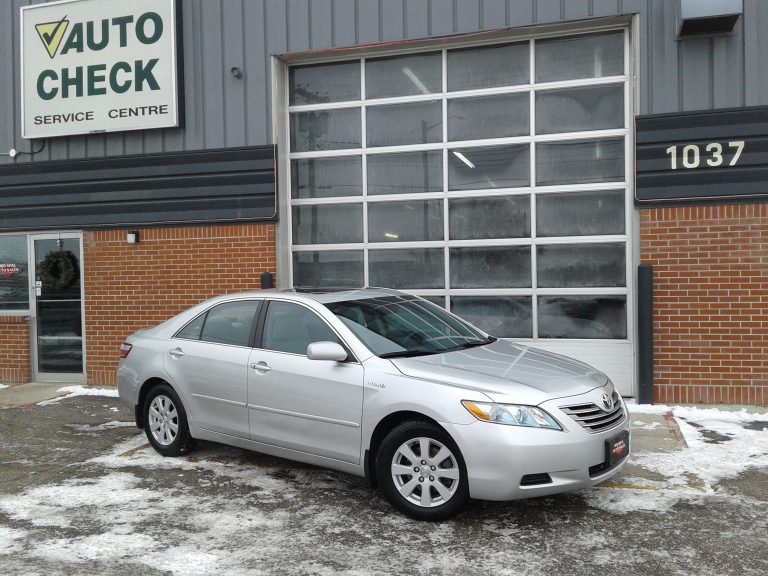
[(381, 384)]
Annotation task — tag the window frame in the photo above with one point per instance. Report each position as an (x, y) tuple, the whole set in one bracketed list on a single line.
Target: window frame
[(258, 341), (626, 80), (256, 316)]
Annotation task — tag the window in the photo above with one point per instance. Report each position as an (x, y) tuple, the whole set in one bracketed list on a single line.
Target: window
[(228, 323), (14, 276), (192, 330), (291, 328), (490, 179)]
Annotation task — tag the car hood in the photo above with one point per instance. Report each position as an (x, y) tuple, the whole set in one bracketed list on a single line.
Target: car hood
[(507, 372)]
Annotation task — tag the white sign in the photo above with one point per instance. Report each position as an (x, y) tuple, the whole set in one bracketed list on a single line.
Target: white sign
[(90, 66)]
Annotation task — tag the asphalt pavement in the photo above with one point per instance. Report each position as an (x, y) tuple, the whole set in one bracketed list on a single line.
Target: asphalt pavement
[(82, 493)]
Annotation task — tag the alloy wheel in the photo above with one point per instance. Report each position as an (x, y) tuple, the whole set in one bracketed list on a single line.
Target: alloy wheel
[(425, 472), (163, 420)]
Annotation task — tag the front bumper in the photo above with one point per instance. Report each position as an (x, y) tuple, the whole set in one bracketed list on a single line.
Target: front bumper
[(513, 462)]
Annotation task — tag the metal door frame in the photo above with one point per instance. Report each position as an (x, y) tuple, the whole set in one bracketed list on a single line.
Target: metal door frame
[(37, 376)]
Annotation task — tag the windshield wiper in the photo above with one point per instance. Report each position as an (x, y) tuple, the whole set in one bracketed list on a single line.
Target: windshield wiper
[(408, 353), (471, 344), (474, 343)]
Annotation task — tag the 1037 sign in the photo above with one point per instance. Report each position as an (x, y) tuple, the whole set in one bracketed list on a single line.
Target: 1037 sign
[(689, 156), (702, 156)]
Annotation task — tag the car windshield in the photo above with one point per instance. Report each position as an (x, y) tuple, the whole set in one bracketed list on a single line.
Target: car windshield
[(393, 326)]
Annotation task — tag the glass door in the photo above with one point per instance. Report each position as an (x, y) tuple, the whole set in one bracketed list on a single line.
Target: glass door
[(57, 307)]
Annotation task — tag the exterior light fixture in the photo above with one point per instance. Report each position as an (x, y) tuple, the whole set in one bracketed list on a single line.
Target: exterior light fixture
[(132, 237)]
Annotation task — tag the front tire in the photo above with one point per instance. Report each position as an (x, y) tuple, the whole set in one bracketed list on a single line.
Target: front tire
[(165, 422), (422, 472)]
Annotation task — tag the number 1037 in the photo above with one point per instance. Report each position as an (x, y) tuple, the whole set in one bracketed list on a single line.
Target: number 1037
[(692, 156)]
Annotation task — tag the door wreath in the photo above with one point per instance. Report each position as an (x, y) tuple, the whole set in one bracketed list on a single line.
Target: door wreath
[(59, 270)]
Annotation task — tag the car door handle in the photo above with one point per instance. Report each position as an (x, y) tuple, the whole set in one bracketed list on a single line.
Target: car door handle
[(261, 366), (176, 352)]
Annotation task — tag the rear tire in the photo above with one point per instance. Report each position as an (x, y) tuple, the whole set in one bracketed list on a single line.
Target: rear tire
[(165, 422), (422, 472)]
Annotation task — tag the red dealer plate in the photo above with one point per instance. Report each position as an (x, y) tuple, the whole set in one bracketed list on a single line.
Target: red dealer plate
[(617, 448)]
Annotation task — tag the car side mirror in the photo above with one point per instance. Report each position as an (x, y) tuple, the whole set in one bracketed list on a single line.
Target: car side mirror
[(326, 351)]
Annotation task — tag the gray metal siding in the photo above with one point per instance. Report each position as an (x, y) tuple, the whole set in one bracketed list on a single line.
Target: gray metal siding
[(222, 111)]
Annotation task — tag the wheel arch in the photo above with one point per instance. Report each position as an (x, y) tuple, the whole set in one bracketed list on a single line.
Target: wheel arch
[(143, 391), (384, 426)]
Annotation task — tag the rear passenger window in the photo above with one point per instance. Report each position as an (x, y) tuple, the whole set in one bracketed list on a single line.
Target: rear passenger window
[(230, 323), (192, 330), (291, 328)]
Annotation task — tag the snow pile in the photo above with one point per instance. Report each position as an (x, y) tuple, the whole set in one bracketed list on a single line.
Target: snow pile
[(720, 445), (3, 386), (72, 391)]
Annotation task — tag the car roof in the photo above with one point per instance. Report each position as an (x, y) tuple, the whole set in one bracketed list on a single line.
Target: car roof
[(327, 295), (321, 295)]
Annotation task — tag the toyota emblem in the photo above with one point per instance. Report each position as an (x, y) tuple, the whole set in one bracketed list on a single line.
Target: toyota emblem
[(607, 402)]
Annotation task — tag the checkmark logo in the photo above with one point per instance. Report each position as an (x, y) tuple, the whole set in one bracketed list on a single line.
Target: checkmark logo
[(51, 34)]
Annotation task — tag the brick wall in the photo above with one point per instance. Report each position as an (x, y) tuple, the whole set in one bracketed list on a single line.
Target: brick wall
[(133, 286), (15, 362), (710, 266)]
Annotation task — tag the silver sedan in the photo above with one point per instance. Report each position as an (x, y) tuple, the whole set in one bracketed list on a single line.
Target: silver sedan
[(380, 384)]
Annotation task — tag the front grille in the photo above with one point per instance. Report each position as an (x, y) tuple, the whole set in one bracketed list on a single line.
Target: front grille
[(536, 479), (595, 419)]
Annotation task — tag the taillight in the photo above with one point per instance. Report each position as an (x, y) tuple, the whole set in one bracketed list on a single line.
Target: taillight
[(125, 349)]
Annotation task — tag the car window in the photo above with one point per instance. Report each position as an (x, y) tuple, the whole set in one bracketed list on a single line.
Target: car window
[(406, 326), (192, 330), (230, 323), (291, 328)]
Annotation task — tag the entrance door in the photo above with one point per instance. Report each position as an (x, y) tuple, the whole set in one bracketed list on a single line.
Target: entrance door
[(57, 307)]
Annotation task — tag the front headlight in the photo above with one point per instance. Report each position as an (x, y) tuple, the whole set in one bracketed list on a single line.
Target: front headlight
[(511, 414)]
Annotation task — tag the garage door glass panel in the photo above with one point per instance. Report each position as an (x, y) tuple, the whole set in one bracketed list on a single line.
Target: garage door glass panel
[(598, 317), (405, 173), (413, 268), (486, 267), (575, 57), (328, 269), (577, 109), (503, 317), (580, 213), (399, 124), (496, 217), (484, 117), (577, 162), (325, 130), (405, 221), (488, 67), (499, 169), (581, 265), (490, 167), (327, 223), (14, 274), (327, 177), (403, 75), (323, 83)]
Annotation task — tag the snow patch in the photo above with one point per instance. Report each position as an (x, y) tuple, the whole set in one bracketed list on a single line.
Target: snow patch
[(3, 386), (72, 391), (721, 444), (10, 540), (49, 505)]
